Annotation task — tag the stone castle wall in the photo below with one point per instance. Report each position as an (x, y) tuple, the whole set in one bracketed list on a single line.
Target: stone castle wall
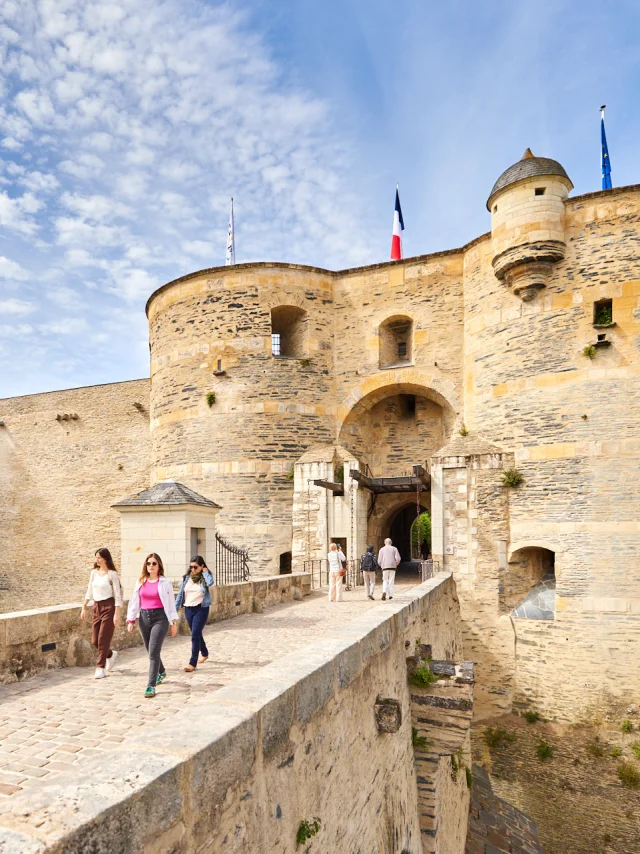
[(240, 450), (58, 480), (512, 371), (571, 424)]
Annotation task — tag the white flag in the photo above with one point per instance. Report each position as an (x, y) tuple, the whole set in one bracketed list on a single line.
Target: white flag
[(231, 241)]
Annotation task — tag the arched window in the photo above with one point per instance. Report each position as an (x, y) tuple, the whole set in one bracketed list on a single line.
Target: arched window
[(396, 341), (288, 331), (530, 584)]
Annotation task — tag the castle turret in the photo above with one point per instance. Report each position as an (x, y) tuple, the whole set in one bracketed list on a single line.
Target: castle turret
[(527, 222)]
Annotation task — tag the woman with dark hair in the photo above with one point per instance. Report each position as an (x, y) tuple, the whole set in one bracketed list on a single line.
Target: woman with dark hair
[(194, 595), (105, 592), (153, 602)]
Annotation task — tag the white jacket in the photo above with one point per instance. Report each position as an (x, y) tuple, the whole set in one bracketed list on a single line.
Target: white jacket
[(115, 586), (165, 592)]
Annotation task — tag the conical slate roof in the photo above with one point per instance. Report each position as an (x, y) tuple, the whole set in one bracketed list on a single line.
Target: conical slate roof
[(166, 492), (529, 166)]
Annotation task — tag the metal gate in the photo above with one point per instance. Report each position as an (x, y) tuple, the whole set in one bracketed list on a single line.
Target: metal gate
[(232, 562)]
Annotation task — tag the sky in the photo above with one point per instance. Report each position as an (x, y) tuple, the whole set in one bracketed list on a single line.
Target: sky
[(125, 128)]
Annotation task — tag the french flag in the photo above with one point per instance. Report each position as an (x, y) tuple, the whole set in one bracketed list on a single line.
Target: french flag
[(398, 228)]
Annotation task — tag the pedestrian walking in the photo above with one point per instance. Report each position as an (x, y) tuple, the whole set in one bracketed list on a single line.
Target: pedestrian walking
[(153, 602), (336, 559), (106, 594), (195, 596), (388, 558), (368, 566)]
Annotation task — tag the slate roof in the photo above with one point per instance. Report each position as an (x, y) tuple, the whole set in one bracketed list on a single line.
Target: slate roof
[(470, 445), (529, 166), (166, 492)]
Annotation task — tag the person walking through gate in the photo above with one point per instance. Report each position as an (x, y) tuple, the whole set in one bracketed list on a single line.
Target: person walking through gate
[(105, 591), (368, 566), (153, 602), (388, 558), (194, 595), (336, 572)]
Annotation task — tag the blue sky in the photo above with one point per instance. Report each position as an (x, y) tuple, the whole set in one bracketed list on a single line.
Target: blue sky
[(124, 129)]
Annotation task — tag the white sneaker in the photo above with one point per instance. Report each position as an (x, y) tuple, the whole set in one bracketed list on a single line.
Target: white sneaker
[(99, 674), (111, 662)]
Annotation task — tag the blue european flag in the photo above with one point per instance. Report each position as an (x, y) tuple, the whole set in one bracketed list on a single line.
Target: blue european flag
[(606, 163)]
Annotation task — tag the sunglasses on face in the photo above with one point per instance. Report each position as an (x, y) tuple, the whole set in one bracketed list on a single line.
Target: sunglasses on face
[(152, 563), (194, 566)]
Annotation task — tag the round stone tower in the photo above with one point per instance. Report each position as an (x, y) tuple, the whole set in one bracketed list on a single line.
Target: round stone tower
[(527, 222), (241, 386)]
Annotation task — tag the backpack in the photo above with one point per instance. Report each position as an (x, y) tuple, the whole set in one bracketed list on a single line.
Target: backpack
[(369, 562)]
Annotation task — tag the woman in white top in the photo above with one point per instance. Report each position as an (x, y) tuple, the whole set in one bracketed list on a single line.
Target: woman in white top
[(194, 595), (336, 558), (105, 591)]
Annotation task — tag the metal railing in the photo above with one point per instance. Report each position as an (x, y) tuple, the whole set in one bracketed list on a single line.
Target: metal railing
[(429, 568), (232, 563), (319, 570)]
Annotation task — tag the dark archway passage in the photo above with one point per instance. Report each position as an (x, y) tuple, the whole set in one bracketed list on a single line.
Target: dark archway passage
[(400, 533)]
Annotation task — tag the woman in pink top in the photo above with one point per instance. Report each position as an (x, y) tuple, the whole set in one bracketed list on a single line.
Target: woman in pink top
[(153, 602)]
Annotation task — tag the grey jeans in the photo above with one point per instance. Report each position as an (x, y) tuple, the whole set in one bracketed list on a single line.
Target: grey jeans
[(154, 626)]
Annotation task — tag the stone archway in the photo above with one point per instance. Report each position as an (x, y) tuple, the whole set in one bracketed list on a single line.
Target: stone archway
[(400, 381), (397, 425)]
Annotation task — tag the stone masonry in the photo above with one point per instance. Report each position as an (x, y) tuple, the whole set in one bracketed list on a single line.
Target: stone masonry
[(507, 352)]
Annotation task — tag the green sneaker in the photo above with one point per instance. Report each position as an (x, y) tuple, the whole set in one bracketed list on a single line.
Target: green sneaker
[(150, 692), (160, 678)]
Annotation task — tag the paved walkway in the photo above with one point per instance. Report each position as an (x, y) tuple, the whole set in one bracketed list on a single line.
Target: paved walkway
[(51, 721)]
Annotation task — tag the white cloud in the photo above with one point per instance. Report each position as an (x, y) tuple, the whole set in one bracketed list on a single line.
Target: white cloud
[(16, 306), (199, 248), (12, 270), (64, 326), (16, 213), (130, 126)]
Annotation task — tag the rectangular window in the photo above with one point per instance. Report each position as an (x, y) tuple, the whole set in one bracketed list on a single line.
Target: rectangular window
[(275, 343), (540, 191), (603, 312), (402, 349)]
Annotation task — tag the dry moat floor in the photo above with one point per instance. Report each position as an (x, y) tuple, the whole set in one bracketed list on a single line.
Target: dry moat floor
[(565, 778)]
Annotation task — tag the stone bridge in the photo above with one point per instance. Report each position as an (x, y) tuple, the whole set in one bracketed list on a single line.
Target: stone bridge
[(287, 722)]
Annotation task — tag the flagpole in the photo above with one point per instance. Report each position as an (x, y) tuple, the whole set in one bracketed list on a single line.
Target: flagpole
[(231, 240), (604, 149), (602, 109)]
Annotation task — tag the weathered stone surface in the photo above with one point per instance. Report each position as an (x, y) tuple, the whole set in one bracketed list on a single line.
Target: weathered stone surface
[(388, 714)]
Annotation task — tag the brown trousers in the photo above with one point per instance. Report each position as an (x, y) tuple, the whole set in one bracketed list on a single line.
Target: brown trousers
[(102, 629)]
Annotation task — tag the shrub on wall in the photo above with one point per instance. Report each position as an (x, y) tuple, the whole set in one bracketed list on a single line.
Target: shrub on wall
[(512, 478)]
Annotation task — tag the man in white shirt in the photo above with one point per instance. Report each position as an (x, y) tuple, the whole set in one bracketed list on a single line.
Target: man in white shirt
[(388, 558)]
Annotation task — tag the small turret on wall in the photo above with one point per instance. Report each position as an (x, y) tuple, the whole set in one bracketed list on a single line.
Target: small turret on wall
[(527, 223)]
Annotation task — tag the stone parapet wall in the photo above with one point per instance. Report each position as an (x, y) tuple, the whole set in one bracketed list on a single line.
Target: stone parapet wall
[(268, 754), (23, 634)]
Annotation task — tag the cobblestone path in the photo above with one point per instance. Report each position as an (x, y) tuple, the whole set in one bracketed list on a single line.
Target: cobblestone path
[(52, 720)]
